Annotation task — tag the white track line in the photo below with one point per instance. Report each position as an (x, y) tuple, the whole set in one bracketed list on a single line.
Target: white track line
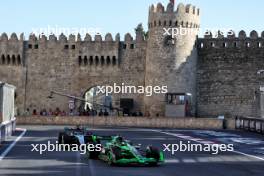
[(201, 142), (248, 155), (2, 156)]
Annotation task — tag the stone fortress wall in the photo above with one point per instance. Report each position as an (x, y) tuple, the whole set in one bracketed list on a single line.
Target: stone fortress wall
[(220, 73), (71, 65), (227, 78)]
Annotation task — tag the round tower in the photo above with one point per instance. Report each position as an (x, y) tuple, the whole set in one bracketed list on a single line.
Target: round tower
[(171, 53)]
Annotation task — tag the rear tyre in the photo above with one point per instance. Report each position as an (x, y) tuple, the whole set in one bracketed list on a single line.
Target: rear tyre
[(153, 152), (117, 153), (94, 154)]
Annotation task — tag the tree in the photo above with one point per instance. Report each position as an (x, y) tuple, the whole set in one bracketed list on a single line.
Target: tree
[(140, 30)]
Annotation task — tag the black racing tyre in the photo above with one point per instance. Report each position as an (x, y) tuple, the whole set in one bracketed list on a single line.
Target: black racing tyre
[(153, 152), (117, 152), (93, 154), (74, 140)]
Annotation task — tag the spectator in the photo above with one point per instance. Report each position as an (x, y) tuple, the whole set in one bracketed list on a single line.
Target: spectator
[(63, 113), (106, 113), (27, 113), (44, 112), (134, 114), (94, 112), (71, 113), (50, 113), (101, 113), (88, 108), (34, 112), (57, 112)]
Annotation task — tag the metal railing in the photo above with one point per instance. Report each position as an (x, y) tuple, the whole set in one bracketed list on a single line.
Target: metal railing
[(250, 124)]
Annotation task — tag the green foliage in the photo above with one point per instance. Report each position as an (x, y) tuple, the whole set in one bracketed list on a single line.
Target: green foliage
[(139, 29)]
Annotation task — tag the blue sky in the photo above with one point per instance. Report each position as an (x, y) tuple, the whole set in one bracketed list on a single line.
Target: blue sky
[(122, 15)]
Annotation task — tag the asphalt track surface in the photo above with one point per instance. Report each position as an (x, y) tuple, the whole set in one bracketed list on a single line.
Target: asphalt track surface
[(247, 160)]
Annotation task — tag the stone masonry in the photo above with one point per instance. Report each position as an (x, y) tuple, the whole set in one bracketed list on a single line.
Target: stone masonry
[(220, 73)]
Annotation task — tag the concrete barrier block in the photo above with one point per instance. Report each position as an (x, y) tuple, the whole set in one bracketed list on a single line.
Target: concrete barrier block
[(161, 122)]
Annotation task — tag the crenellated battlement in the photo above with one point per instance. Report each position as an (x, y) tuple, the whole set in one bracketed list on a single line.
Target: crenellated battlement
[(187, 16), (230, 40), (11, 50), (89, 51), (181, 8), (13, 37), (71, 38)]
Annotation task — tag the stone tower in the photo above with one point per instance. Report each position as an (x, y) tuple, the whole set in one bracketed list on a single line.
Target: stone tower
[(171, 58)]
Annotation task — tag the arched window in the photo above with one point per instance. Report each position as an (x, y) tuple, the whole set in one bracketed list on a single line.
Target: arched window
[(159, 23), (182, 23), (18, 60), (80, 60), (176, 23), (114, 60), (91, 60), (155, 24), (108, 60), (165, 23), (170, 23), (13, 59), (3, 59), (102, 60), (96, 60), (8, 59), (85, 60)]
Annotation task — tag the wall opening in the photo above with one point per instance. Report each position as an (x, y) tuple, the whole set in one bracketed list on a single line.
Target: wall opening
[(97, 102), (18, 60), (102, 60), (3, 59)]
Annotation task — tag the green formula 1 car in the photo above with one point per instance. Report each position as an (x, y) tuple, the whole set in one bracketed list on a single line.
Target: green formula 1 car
[(117, 151)]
